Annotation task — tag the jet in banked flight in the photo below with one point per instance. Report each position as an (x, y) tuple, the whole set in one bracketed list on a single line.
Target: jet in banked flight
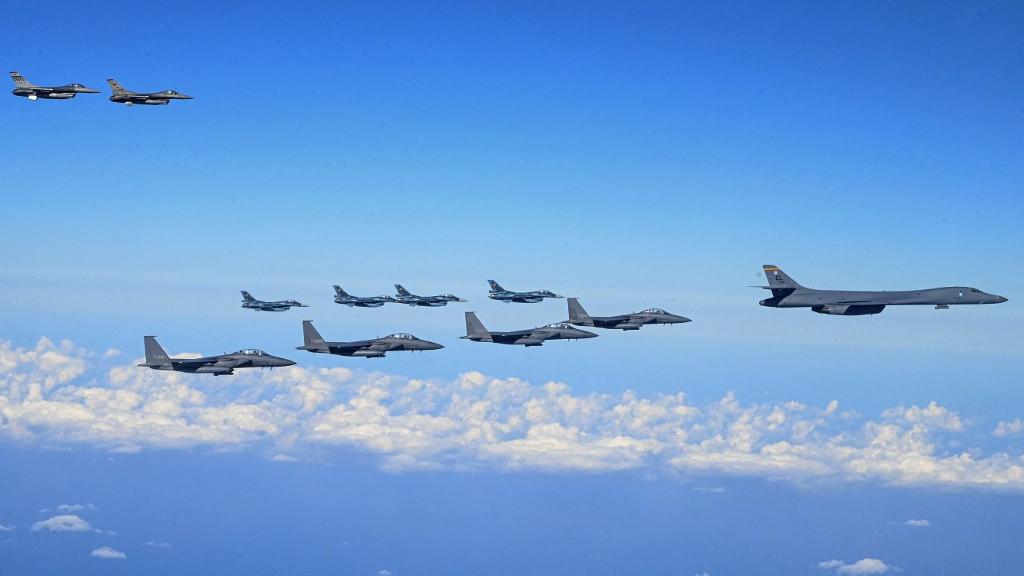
[(26, 89), (403, 296), (122, 96), (279, 306), (373, 348), (222, 365), (342, 297), (787, 293), (631, 321), (499, 293), (476, 332)]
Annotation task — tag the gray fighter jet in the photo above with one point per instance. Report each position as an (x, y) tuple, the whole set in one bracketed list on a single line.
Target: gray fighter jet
[(122, 96), (222, 365), (787, 293), (373, 348), (499, 293), (476, 332), (342, 297), (631, 321), (279, 306), (403, 296), (26, 89)]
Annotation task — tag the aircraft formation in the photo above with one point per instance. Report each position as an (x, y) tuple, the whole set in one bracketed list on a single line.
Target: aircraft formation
[(119, 95), (786, 293)]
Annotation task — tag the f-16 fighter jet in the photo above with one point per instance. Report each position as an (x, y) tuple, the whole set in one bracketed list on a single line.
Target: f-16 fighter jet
[(122, 96), (787, 293), (373, 348), (476, 332), (342, 297), (403, 296), (279, 306), (222, 365), (499, 293), (631, 321), (26, 89)]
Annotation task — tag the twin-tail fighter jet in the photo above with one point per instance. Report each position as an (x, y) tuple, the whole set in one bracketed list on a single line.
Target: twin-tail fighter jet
[(26, 89), (342, 297), (476, 332), (372, 348), (277, 306), (787, 293), (403, 296), (631, 321), (499, 293), (222, 365)]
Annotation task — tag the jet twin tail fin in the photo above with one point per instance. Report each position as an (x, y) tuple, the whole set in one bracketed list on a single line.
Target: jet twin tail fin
[(310, 336), (20, 81), (155, 354), (475, 328), (577, 315)]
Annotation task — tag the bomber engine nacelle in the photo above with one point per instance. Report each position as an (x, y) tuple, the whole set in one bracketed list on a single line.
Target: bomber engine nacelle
[(368, 354), (215, 370), (849, 309)]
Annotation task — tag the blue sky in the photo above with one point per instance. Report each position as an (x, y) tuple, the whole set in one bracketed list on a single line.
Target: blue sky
[(632, 156)]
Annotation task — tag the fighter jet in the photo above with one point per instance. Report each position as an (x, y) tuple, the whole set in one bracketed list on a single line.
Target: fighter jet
[(499, 293), (279, 306), (405, 297), (223, 365), (373, 348), (476, 332), (787, 293), (342, 297), (631, 321), (26, 89), (122, 96)]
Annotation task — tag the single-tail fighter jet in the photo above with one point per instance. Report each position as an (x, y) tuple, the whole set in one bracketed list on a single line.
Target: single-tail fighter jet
[(342, 297), (403, 296), (373, 348), (499, 293), (122, 96), (631, 321), (787, 293), (476, 332), (279, 306), (26, 89), (223, 365)]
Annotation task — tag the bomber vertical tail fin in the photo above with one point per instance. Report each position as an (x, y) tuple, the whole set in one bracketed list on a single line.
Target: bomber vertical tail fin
[(475, 329), (20, 81), (577, 315), (779, 280), (155, 355)]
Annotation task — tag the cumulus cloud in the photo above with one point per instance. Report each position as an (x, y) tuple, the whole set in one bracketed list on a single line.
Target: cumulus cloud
[(6, 528), (917, 523), (383, 572), (62, 523), (156, 544), (108, 553), (479, 421), (1012, 428), (860, 567)]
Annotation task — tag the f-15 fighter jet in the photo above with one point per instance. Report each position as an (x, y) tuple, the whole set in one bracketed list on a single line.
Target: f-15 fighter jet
[(122, 96), (476, 332), (372, 348), (342, 297), (787, 293), (222, 365), (631, 321), (26, 89), (499, 293), (279, 306), (403, 296)]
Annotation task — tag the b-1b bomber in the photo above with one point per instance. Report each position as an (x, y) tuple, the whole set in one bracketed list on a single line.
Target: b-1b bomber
[(223, 365), (372, 348)]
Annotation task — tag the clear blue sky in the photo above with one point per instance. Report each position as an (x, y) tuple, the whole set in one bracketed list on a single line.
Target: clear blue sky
[(629, 155)]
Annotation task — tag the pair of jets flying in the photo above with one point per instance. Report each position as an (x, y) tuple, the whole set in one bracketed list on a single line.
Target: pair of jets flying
[(403, 296), (26, 89)]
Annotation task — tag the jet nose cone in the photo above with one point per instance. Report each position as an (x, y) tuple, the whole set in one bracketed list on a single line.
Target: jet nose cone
[(1001, 299), (427, 345), (585, 334), (682, 319), (284, 362)]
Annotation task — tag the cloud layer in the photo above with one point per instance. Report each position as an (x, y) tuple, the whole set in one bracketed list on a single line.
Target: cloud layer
[(476, 421)]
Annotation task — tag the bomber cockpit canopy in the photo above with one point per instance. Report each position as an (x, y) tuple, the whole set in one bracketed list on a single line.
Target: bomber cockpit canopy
[(251, 352), (402, 336), (653, 311)]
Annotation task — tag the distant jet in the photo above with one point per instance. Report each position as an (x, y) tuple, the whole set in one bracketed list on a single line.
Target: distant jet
[(26, 89), (787, 293), (342, 297), (631, 321), (405, 297), (476, 332), (223, 365), (499, 293), (279, 306), (373, 348), (122, 96)]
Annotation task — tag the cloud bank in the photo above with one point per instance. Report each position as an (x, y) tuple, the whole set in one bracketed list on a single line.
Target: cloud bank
[(476, 421)]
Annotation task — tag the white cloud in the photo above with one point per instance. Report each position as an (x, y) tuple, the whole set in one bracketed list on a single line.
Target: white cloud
[(710, 489), (156, 544), (108, 553), (112, 353), (62, 523), (917, 523), (830, 564), (74, 507), (6, 528), (383, 572), (860, 567), (1012, 428), (477, 421)]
